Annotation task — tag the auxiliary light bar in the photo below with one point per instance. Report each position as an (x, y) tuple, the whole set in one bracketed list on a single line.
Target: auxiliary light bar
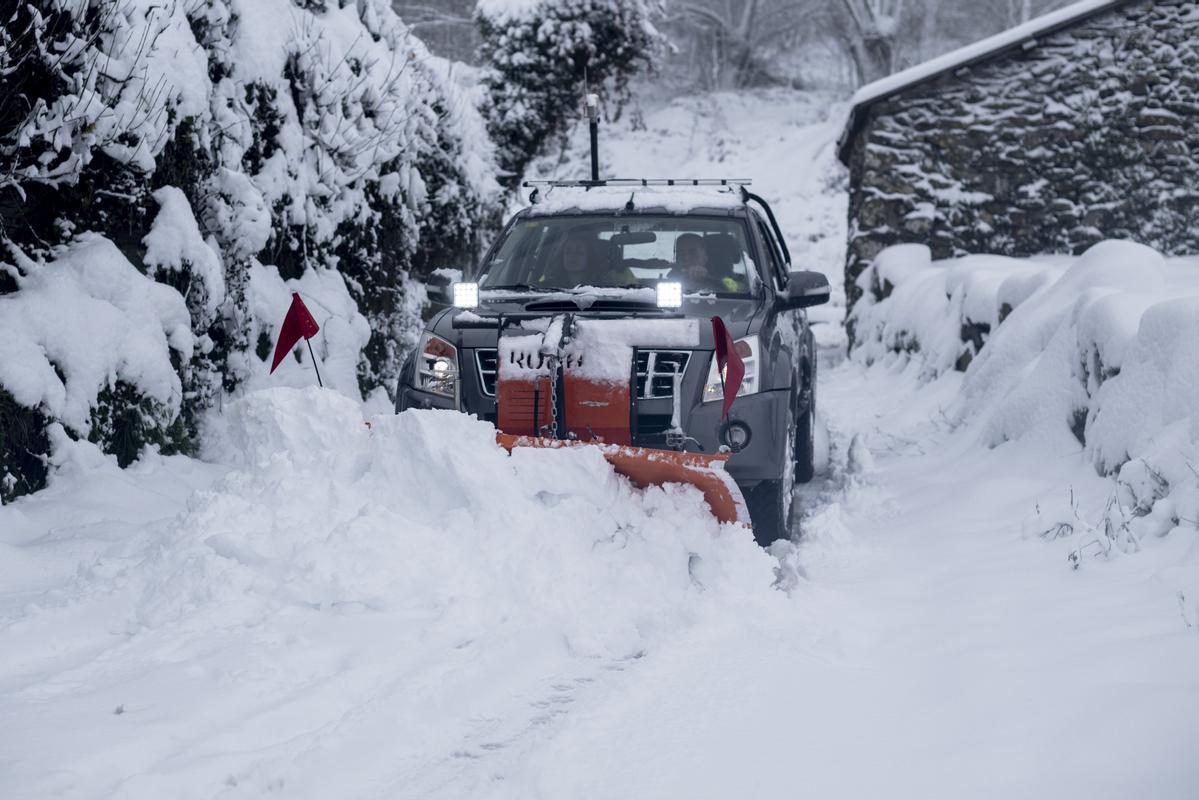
[(643, 182), (466, 295), (670, 294)]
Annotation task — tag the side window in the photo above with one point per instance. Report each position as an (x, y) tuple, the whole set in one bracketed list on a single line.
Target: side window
[(774, 261)]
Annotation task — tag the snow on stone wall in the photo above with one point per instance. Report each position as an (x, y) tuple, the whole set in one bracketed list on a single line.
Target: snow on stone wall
[(1089, 134), (1101, 350)]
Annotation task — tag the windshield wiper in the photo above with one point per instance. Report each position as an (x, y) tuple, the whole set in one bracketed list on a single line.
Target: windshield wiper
[(524, 287)]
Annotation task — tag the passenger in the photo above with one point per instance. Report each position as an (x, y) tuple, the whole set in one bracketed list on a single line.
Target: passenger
[(694, 267), (585, 262)]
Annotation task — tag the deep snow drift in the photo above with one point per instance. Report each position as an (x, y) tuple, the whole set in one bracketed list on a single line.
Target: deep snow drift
[(405, 611), (406, 574)]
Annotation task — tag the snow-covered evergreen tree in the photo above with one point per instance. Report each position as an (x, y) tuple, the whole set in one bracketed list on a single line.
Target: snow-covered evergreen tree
[(539, 55)]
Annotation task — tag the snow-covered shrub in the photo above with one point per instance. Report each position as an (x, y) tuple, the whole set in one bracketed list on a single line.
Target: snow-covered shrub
[(538, 53), (943, 310), (1100, 351), (23, 445), (91, 343), (349, 141), (208, 143)]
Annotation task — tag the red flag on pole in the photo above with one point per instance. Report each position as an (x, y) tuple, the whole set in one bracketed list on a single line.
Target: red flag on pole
[(298, 324), (729, 365)]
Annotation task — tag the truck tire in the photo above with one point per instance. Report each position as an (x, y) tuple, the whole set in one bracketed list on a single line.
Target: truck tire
[(805, 440), (769, 502), (770, 511)]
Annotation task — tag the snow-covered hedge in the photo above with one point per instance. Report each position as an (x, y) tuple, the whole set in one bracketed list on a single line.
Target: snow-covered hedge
[(538, 53), (1100, 350), (230, 150)]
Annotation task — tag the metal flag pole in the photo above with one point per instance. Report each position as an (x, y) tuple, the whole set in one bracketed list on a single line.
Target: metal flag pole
[(312, 355)]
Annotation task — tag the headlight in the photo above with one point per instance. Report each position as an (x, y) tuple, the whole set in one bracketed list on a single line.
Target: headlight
[(747, 348), (437, 366)]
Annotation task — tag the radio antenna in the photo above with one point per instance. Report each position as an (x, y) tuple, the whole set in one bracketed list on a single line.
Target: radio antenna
[(591, 103)]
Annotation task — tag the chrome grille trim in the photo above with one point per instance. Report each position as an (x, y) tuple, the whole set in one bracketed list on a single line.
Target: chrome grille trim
[(655, 372), (487, 362)]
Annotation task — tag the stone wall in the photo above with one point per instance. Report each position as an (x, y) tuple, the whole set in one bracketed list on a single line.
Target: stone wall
[(1091, 134)]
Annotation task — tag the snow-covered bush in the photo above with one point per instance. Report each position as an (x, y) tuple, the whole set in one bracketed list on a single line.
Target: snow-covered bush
[(944, 310), (92, 344), (350, 141), (538, 53), (220, 148), (1100, 351)]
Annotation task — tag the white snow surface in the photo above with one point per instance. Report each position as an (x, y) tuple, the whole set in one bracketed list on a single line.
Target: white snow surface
[(1104, 347), (388, 569), (406, 611)]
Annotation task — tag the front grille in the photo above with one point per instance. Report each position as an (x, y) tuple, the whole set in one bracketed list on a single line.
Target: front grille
[(655, 372), (488, 362)]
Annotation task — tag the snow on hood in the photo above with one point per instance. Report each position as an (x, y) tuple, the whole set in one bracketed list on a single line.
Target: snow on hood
[(600, 350)]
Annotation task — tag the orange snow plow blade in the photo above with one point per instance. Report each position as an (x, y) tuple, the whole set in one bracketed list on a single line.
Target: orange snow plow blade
[(648, 467)]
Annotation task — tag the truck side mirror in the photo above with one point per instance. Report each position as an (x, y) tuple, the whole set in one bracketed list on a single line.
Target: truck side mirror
[(806, 288), (439, 286)]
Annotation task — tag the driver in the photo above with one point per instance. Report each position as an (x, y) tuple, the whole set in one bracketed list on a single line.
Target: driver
[(583, 263), (694, 269)]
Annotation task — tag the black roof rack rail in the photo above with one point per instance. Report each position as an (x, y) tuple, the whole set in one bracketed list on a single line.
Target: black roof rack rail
[(641, 182)]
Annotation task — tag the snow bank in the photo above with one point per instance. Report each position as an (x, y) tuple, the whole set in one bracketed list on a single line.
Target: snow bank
[(423, 513), (407, 578), (1100, 351)]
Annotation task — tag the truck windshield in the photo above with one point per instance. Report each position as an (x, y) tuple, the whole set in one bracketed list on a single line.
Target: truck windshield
[(705, 254)]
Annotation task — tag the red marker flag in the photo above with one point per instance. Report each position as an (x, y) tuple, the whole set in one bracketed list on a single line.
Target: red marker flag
[(729, 365), (298, 324)]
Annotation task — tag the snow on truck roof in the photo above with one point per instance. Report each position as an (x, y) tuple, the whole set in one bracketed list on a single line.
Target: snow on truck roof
[(677, 198), (1019, 37)]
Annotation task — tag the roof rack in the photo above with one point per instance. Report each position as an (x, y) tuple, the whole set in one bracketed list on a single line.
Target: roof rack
[(643, 182)]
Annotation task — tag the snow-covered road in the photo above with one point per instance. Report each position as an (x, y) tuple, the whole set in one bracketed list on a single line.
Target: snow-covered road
[(929, 650), (917, 644)]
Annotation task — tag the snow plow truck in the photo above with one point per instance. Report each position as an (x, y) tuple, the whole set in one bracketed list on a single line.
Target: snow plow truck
[(659, 320)]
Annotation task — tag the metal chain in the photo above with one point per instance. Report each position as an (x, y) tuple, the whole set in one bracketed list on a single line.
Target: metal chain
[(552, 363)]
